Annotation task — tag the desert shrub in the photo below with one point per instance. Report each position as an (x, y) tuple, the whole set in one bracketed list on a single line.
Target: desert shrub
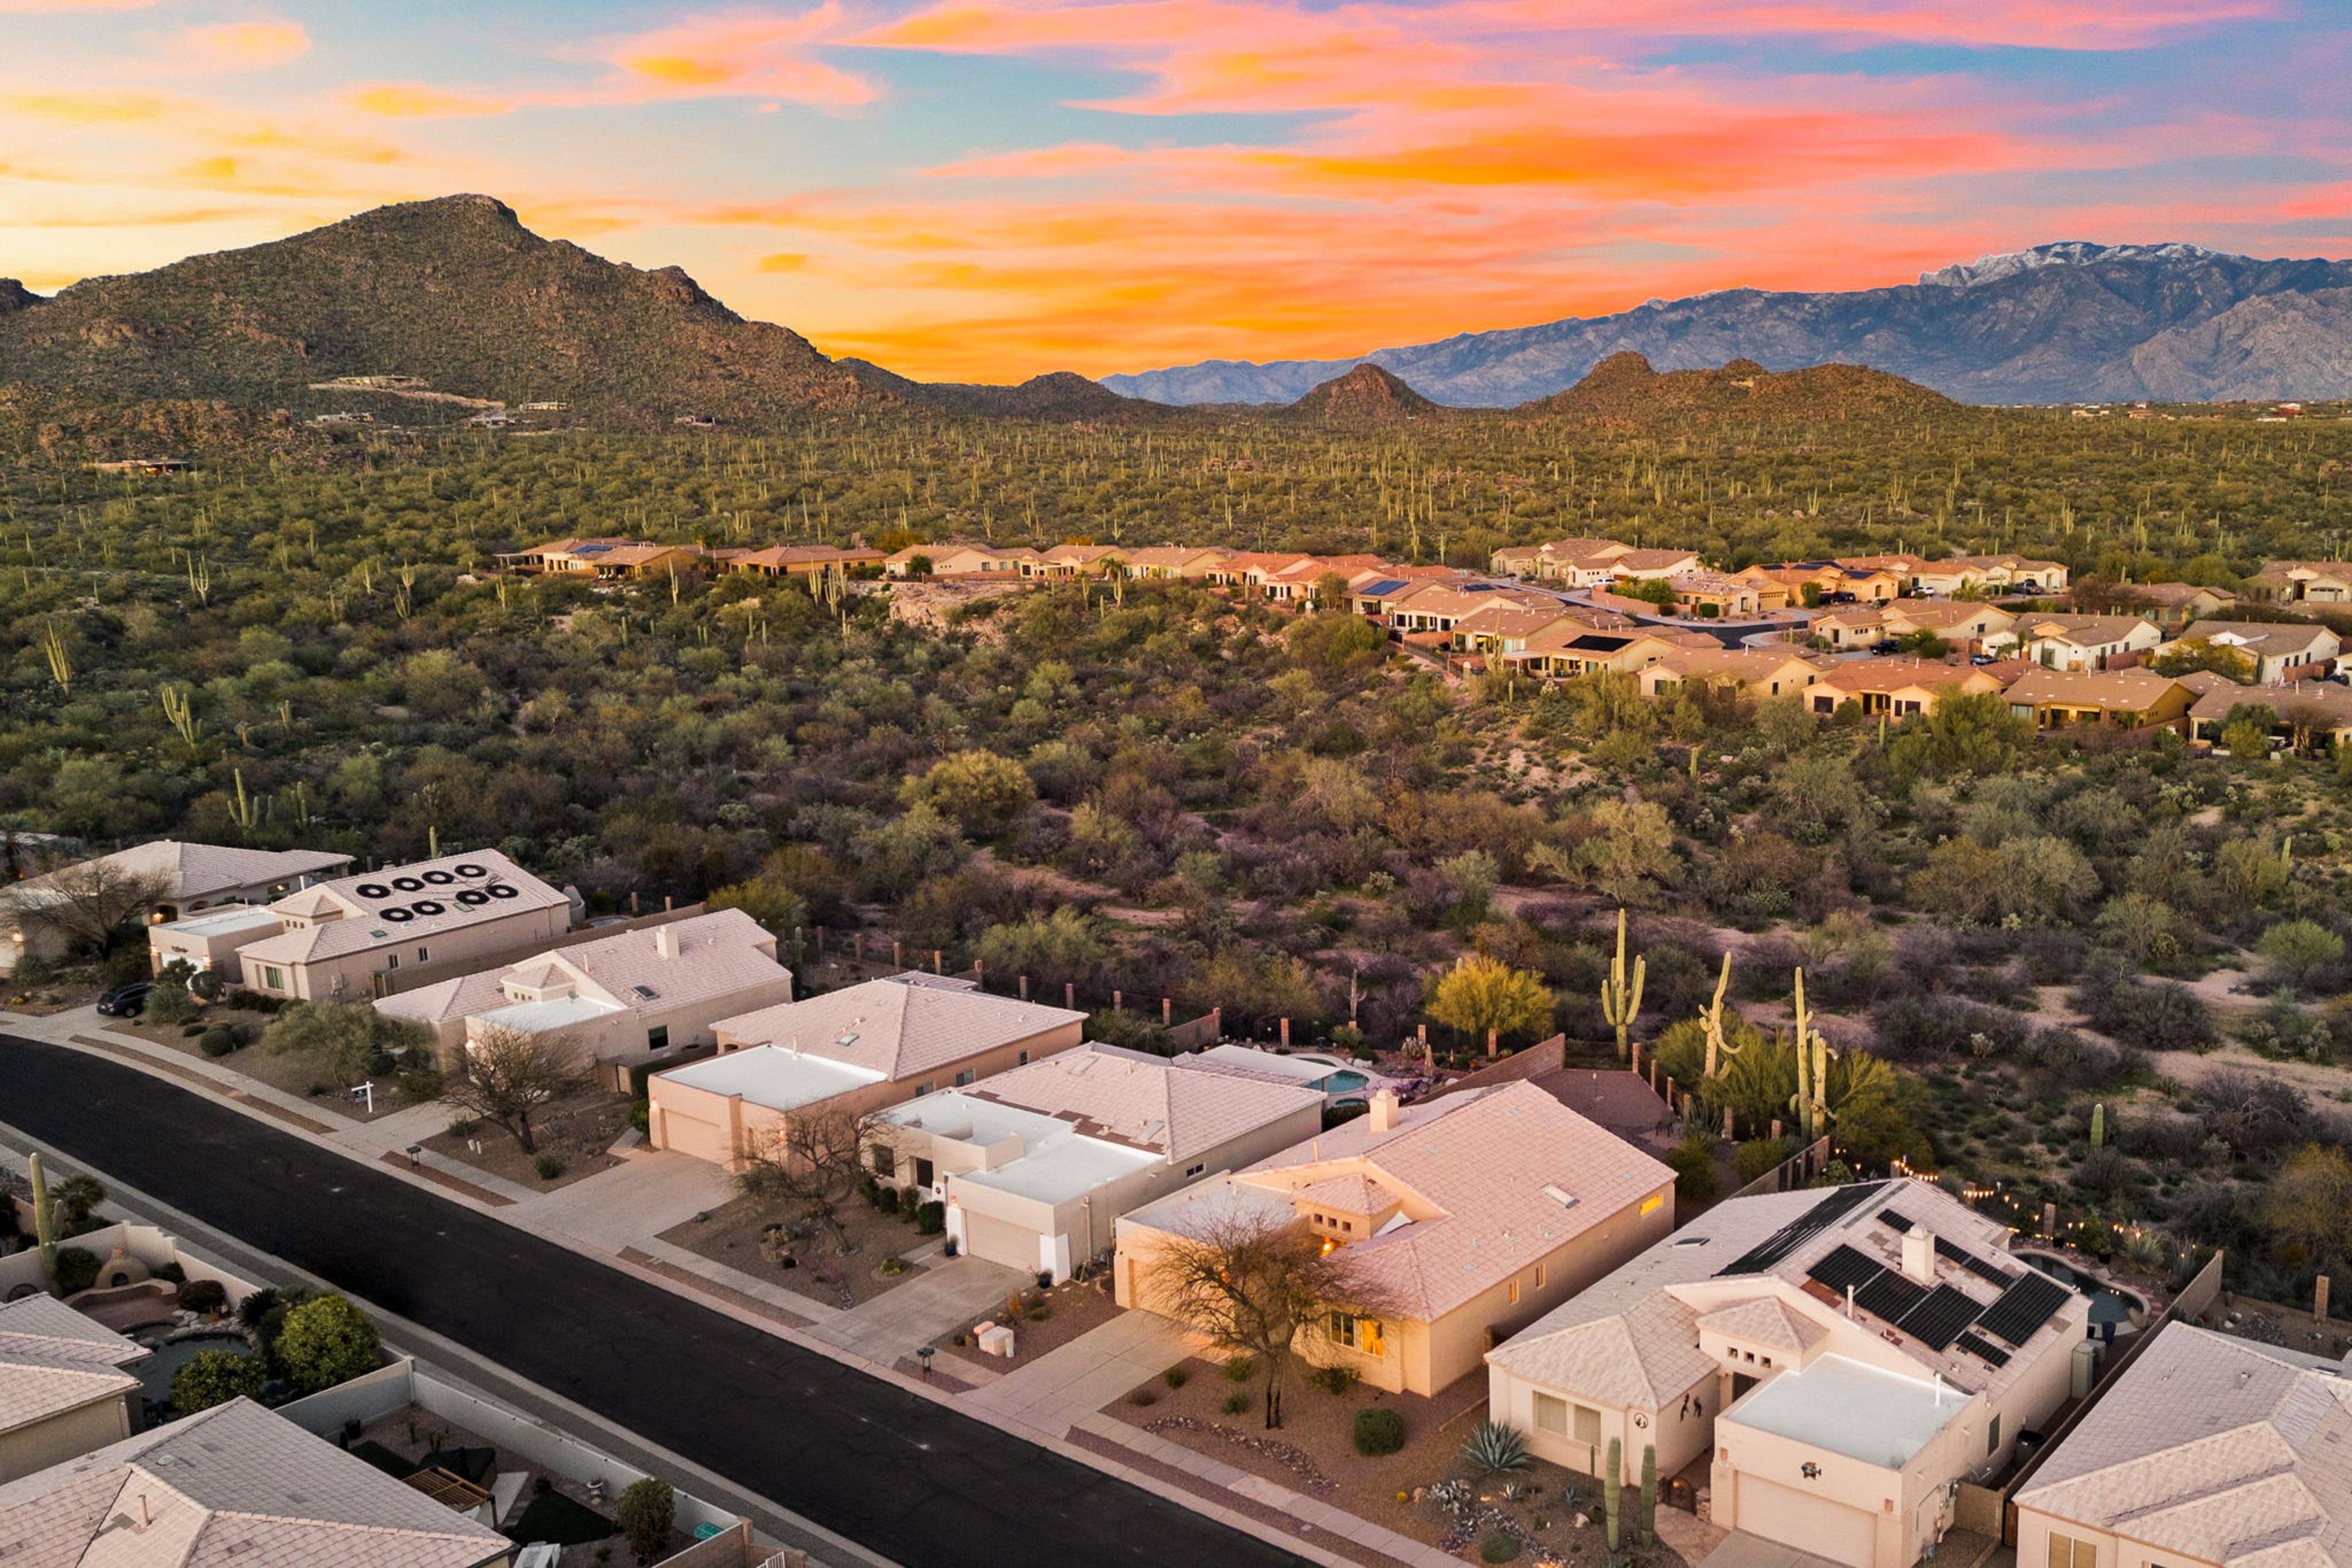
[(1176, 1378), (1380, 1429), (326, 1341), (220, 1040), (77, 1269), (1336, 1378), (1499, 1546), (1494, 1447), (1693, 1163), (203, 1296), (1147, 1394), (2156, 1013), (931, 1218), (213, 1378), (1234, 1404), (1910, 1028), (1756, 1155), (548, 1164), (1240, 1369), (2253, 1115)]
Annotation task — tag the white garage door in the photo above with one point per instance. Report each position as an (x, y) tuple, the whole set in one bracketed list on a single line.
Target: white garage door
[(1807, 1523), (692, 1136), (999, 1241)]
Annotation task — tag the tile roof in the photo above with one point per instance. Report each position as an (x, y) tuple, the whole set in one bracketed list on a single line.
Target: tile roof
[(2316, 704), (363, 897), (1476, 1173), (1631, 1339), (1903, 674), (2210, 1448), (2082, 631), (1734, 664), (2271, 639), (1765, 1320), (53, 1360), (1144, 1100), (189, 871), (2177, 592), (1934, 615), (2122, 691), (233, 1487), (898, 1030)]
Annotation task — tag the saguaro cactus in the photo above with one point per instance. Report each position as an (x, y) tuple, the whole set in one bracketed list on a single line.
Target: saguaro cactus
[(1649, 1493), (1710, 1018), (1620, 1003), (1612, 1493), (1810, 1102), (45, 1221), (2099, 1125)]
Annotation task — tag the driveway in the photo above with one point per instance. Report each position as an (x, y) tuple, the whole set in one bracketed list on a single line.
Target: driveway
[(1069, 1384), (925, 1308), (908, 1476)]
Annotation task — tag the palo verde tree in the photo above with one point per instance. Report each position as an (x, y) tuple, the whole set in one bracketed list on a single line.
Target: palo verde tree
[(506, 1076)]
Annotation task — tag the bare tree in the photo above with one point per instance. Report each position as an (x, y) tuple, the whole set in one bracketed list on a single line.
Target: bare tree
[(812, 1164), (505, 1076), (81, 906), (1256, 1284)]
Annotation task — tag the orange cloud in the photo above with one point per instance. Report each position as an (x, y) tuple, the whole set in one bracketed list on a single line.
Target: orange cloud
[(241, 45), (749, 54), (415, 100)]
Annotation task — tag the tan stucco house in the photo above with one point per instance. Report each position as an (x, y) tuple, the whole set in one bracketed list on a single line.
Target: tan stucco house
[(234, 1484), (65, 1386), (2300, 582), (1037, 1163), (189, 879), (1469, 1215), (644, 990), (1836, 1358), (2080, 642), (338, 941), (863, 1049), (2278, 650), (2207, 1452), (2132, 699), (1896, 687), (1759, 671)]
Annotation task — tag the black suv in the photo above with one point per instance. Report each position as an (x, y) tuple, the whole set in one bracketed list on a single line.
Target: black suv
[(125, 1001)]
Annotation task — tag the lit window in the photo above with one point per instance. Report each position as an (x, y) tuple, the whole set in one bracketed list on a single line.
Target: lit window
[(1515, 1292), (1542, 1270)]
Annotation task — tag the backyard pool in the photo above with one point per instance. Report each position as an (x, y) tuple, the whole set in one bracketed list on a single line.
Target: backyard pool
[(2109, 1304), (171, 1354), (1344, 1080)]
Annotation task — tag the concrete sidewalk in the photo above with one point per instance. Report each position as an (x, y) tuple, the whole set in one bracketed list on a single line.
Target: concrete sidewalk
[(1061, 1388), (922, 1309)]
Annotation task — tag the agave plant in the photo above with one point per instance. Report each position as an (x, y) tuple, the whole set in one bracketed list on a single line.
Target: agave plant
[(1493, 1446)]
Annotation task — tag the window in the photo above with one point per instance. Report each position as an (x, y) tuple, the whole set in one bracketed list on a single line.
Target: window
[(1023, 1060), (657, 1038), (1542, 1271), (1588, 1425), (966, 1076), (1992, 1435), (1192, 1171), (273, 977), (1551, 1415), (1515, 1292), (923, 1088), (392, 960), (2065, 1552), (883, 1158), (423, 956), (1343, 1329)]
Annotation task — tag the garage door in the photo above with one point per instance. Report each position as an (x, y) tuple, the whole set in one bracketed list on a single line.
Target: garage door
[(1807, 1523), (999, 1241), (692, 1136)]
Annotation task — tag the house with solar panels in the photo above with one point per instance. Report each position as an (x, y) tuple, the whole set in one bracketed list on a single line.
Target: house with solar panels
[(1830, 1362), (335, 939)]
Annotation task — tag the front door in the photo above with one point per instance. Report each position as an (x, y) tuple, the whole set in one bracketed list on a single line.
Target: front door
[(1740, 1384), (923, 1173)]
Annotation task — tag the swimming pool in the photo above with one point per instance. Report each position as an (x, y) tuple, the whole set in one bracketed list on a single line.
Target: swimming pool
[(1343, 1082)]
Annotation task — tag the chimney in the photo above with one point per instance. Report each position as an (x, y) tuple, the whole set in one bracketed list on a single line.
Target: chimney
[(1919, 1255), (1384, 1111), (665, 941)]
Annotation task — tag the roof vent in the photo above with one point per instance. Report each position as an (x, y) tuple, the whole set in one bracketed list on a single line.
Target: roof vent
[(1564, 1199)]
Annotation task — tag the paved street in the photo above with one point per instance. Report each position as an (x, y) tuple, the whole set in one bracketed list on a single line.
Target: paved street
[(907, 1477)]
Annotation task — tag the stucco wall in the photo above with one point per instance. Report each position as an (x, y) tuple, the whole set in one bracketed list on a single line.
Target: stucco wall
[(487, 941), (66, 1436)]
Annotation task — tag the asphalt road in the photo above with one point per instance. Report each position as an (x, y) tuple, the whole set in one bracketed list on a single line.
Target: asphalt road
[(901, 1474)]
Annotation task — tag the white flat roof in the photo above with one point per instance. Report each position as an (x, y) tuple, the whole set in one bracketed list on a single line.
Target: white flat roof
[(773, 1076), (537, 1018), (1057, 1162), (229, 917), (1880, 1418)]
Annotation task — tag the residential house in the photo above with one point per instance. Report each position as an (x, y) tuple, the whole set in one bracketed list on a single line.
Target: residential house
[(1062, 561), (1711, 596), (211, 941), (234, 1484), (604, 560), (806, 560), (1295, 584), (1337, 1078), (1760, 672), (2208, 1451), (1967, 625), (2308, 714), (1577, 562), (1896, 687), (336, 941), (1838, 1357), (2179, 603), (1037, 1163), (1569, 648), (2301, 581), (1463, 1217), (2015, 574), (1822, 582), (1851, 626), (1917, 573), (1251, 569), (1500, 625), (2080, 642), (2129, 699), (187, 878), (862, 1049), (1651, 565), (1991, 574), (65, 1386), (2277, 651), (948, 559), (641, 991), (1193, 565), (1440, 607)]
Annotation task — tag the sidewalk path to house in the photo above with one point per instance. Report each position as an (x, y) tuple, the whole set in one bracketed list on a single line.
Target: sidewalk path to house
[(923, 1309), (1067, 1385), (908, 1476)]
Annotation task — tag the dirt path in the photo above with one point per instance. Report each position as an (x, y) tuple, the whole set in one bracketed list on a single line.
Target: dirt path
[(2322, 1082)]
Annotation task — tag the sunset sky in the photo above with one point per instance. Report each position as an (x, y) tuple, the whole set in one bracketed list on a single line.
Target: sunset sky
[(986, 189)]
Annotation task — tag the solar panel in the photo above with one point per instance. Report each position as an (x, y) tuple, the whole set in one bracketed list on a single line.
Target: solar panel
[(1983, 1349), (1937, 1321), (1958, 1254), (1843, 1266), (1988, 1271), (1890, 1296), (1835, 1206), (2022, 1308)]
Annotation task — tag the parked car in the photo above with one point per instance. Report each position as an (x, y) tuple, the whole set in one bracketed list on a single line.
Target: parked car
[(1984, 658), (125, 1001)]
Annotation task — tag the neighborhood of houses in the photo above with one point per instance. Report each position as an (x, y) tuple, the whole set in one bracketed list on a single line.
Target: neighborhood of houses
[(1851, 1374), (1888, 633)]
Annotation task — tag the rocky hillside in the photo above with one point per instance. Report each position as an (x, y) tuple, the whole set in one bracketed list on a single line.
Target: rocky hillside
[(1058, 395), (454, 291), (1624, 390), (2060, 323), (1365, 395), (15, 296)]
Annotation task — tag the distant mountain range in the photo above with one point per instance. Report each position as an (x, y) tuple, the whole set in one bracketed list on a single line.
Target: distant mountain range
[(2060, 323), (458, 293)]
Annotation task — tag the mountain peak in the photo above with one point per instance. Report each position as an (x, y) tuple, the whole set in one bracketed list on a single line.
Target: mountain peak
[(1364, 394), (2064, 252), (1626, 390), (15, 296)]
